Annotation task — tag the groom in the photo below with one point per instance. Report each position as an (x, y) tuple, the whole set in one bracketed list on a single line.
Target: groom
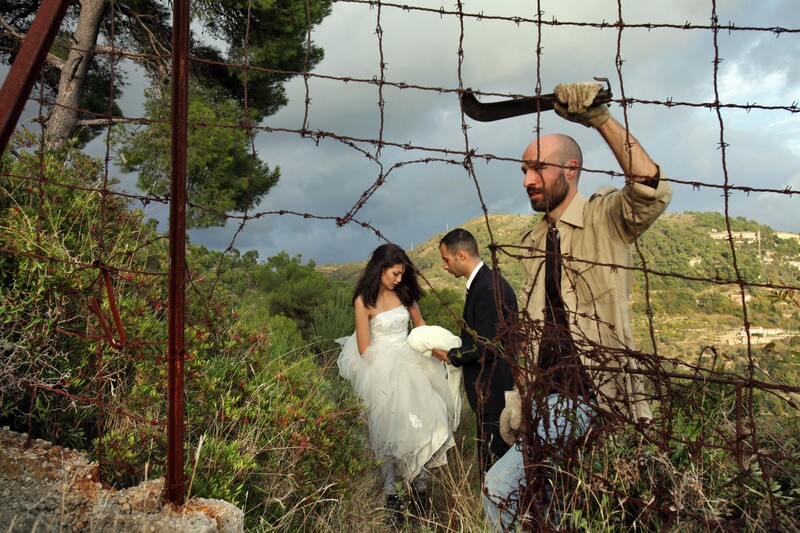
[(490, 302)]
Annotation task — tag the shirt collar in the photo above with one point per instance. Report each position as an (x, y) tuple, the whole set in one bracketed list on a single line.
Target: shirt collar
[(573, 215), (474, 273)]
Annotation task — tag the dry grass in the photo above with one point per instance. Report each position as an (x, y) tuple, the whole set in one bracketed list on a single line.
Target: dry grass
[(453, 505)]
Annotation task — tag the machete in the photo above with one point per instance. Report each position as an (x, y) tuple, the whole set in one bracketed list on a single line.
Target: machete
[(490, 111)]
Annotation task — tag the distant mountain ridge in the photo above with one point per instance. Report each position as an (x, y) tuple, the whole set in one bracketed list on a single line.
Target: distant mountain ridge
[(683, 244), (693, 285)]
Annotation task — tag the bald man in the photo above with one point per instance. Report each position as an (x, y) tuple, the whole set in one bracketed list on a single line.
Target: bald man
[(575, 301)]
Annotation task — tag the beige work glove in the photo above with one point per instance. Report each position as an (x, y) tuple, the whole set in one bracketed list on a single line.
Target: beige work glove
[(511, 417), (574, 103)]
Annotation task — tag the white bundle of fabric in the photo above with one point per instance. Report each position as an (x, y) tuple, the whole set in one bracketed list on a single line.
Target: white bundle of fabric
[(426, 338)]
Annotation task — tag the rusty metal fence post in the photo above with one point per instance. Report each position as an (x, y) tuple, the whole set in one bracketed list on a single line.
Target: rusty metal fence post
[(176, 350), (28, 64)]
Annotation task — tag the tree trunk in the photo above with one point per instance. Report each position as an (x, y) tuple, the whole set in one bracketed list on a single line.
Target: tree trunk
[(64, 117)]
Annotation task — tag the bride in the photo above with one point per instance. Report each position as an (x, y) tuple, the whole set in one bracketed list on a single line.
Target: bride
[(406, 393)]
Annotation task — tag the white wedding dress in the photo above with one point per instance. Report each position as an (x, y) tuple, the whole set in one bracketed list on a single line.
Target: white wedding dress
[(408, 401)]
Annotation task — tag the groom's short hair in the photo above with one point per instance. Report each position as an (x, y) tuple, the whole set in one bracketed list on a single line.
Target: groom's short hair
[(460, 239)]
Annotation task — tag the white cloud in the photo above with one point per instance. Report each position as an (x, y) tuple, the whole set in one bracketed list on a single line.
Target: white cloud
[(738, 86)]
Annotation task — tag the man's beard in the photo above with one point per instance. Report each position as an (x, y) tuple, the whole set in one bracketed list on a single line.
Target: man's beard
[(552, 196)]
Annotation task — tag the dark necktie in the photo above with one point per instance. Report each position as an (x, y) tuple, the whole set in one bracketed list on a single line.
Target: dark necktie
[(557, 348), (552, 266), (555, 322)]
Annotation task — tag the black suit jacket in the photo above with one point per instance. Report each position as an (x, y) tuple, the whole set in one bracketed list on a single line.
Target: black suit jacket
[(486, 375)]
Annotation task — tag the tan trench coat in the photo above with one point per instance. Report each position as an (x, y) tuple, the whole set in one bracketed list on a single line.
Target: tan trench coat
[(596, 235)]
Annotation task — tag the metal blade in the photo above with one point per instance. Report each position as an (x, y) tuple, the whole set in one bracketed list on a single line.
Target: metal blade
[(491, 111)]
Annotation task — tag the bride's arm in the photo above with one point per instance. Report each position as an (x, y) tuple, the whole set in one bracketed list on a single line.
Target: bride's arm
[(362, 325), (416, 315)]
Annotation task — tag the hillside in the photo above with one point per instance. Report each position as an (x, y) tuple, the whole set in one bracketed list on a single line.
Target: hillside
[(691, 280), (688, 244)]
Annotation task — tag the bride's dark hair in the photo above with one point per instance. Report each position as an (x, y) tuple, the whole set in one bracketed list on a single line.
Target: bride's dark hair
[(383, 257)]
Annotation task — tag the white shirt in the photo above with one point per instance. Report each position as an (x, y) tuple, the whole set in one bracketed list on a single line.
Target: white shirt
[(474, 273)]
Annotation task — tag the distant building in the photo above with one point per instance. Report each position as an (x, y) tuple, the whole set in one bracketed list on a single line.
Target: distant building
[(738, 298), (751, 235), (737, 235), (786, 235), (760, 331)]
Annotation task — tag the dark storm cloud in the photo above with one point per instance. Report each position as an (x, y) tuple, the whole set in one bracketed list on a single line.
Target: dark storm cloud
[(417, 200)]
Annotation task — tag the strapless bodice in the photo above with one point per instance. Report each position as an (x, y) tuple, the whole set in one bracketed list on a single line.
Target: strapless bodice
[(389, 326)]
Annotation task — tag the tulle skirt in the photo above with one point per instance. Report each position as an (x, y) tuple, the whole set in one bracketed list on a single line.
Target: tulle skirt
[(408, 401)]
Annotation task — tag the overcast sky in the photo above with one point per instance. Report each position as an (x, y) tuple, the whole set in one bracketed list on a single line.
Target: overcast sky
[(326, 178)]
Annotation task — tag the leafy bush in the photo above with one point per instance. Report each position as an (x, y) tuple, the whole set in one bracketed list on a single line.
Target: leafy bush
[(689, 479), (273, 430), (332, 321), (58, 231), (442, 309)]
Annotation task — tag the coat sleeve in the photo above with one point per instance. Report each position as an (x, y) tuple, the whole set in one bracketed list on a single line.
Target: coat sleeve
[(635, 207)]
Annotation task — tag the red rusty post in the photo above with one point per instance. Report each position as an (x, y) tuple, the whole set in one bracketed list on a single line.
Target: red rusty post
[(175, 492), (28, 64)]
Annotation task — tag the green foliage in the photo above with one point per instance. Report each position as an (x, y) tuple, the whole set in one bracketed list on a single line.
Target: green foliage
[(277, 44), (54, 232), (443, 309), (223, 174), (277, 34), (268, 396), (295, 290), (276, 427), (687, 472), (270, 426), (282, 285), (714, 302), (681, 245), (132, 453), (332, 321)]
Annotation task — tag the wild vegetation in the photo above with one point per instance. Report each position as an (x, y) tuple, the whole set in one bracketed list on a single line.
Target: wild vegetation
[(272, 427)]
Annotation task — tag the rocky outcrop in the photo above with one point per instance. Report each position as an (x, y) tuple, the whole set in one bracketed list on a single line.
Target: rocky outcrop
[(44, 487)]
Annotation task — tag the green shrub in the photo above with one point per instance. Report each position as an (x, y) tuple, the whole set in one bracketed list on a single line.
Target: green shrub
[(57, 232), (272, 429), (686, 472), (332, 321), (442, 309)]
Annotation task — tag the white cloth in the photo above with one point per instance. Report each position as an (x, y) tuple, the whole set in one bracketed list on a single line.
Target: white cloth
[(426, 338), (406, 394)]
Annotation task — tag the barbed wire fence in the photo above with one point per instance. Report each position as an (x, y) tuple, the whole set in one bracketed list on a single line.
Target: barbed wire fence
[(731, 448)]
